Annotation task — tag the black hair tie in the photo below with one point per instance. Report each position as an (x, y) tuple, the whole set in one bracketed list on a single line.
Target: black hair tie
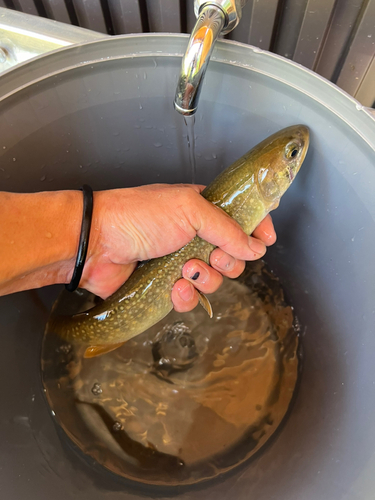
[(88, 202)]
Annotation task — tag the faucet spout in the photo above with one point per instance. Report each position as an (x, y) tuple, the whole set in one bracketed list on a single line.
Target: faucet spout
[(207, 29), (213, 18)]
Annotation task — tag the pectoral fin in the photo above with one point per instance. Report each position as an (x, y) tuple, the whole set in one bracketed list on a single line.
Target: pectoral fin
[(205, 303), (98, 350)]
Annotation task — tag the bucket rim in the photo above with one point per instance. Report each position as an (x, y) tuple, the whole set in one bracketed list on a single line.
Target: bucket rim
[(228, 52)]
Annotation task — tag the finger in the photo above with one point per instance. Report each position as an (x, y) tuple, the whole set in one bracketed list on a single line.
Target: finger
[(184, 296), (215, 226), (226, 264), (266, 231), (105, 278), (202, 276)]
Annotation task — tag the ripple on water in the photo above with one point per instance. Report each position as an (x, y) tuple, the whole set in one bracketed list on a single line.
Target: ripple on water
[(191, 397)]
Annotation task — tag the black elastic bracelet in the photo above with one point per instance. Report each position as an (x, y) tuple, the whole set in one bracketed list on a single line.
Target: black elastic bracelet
[(88, 201)]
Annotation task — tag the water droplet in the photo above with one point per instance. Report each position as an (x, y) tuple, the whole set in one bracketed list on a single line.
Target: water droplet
[(4, 147), (96, 389), (137, 126), (65, 348), (158, 144), (43, 178), (140, 106), (117, 427), (144, 76), (14, 159)]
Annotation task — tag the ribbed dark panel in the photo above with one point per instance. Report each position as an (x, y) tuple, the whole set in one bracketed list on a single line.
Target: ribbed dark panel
[(336, 38), (27, 6), (90, 15), (57, 10), (164, 15), (314, 30), (126, 16)]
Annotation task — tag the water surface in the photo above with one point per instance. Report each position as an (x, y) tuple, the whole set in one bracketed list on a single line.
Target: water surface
[(191, 397)]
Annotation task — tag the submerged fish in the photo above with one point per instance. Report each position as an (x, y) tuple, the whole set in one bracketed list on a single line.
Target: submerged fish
[(247, 191)]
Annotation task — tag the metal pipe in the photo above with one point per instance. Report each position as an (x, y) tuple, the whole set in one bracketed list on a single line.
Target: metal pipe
[(214, 18)]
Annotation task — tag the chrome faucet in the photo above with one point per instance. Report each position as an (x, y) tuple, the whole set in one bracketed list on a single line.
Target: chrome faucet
[(214, 18)]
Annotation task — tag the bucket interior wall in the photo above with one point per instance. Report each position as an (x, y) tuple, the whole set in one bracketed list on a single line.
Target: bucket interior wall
[(111, 123)]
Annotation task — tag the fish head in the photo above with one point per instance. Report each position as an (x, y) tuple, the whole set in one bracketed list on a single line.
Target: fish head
[(279, 159)]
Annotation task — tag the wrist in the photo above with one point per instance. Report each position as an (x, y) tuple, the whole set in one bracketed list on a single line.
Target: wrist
[(96, 252), (110, 239)]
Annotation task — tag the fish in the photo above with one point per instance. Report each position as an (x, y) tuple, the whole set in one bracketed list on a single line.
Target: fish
[(247, 191)]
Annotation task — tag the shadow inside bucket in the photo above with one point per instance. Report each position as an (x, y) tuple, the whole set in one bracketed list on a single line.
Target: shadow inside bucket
[(150, 413)]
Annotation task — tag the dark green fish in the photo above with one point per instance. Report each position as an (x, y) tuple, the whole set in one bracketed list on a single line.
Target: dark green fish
[(247, 191)]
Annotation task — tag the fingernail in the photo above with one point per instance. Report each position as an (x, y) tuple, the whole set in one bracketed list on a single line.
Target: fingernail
[(257, 246), (197, 274), (186, 292), (226, 262)]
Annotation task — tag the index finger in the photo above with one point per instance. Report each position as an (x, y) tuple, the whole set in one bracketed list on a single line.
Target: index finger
[(215, 226), (265, 231)]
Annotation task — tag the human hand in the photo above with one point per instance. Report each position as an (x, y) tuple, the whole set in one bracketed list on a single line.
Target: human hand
[(135, 224)]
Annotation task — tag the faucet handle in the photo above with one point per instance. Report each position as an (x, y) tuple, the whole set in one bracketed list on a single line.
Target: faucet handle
[(232, 10)]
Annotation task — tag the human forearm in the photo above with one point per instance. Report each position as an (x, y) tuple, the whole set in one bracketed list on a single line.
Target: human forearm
[(39, 235)]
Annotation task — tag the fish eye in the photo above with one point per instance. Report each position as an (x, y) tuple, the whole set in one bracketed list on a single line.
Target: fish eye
[(291, 150)]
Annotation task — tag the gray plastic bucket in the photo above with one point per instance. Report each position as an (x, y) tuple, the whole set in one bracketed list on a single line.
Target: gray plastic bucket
[(102, 113)]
